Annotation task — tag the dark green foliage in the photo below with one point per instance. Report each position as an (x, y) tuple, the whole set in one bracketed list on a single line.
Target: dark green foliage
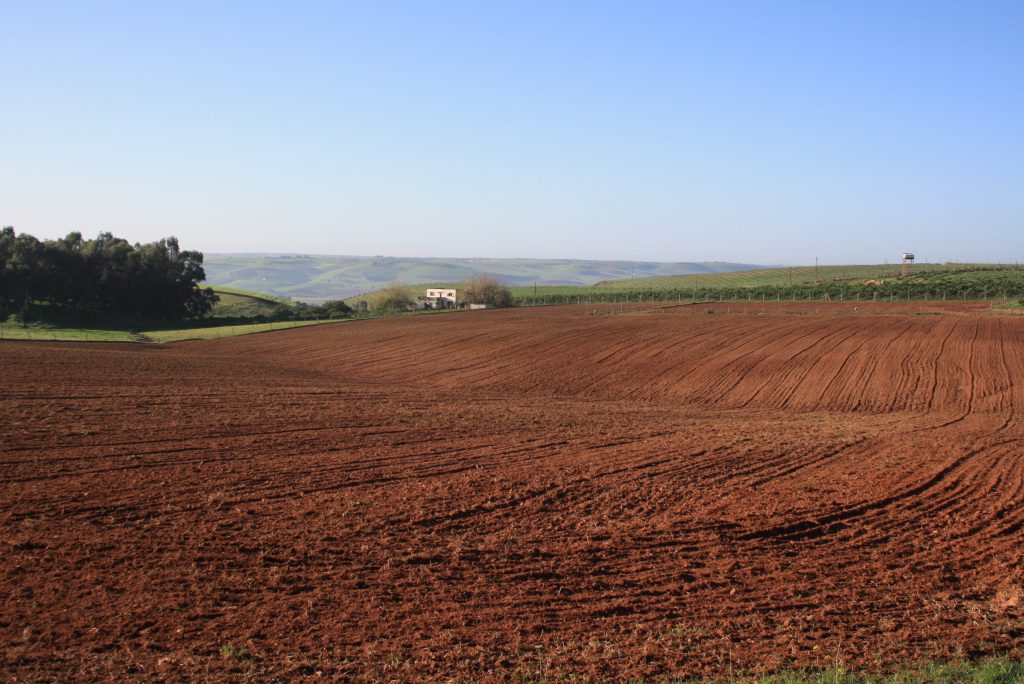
[(334, 308), (105, 276)]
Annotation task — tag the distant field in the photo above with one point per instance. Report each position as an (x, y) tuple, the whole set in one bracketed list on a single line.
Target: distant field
[(315, 279), (236, 303), (249, 294), (791, 275)]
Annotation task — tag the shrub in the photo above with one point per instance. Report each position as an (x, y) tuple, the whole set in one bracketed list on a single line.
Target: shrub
[(26, 315), (335, 308), (486, 290), (394, 297)]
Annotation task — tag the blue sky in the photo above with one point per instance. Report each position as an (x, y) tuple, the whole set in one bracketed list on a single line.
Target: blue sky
[(768, 132)]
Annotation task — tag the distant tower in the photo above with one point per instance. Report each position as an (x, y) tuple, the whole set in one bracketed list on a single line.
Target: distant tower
[(908, 258)]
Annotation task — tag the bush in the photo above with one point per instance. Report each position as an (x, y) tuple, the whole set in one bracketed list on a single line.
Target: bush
[(26, 315), (394, 297), (485, 290), (335, 308)]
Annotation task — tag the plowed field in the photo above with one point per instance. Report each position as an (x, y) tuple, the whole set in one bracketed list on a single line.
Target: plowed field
[(518, 495)]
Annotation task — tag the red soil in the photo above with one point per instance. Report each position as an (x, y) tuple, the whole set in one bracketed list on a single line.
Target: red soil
[(513, 494)]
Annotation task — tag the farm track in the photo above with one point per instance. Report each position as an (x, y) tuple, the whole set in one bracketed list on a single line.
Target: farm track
[(518, 494)]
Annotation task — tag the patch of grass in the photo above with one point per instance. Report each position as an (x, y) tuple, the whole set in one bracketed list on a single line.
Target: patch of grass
[(14, 331), (207, 329), (993, 670), (989, 671), (241, 304), (249, 294), (986, 671), (229, 651), (214, 332), (35, 331)]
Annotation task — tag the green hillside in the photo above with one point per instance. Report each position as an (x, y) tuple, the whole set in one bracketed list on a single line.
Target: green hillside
[(316, 279), (235, 303), (784, 276)]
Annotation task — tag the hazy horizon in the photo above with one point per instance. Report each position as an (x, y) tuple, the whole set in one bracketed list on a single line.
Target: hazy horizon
[(742, 132), (884, 260)]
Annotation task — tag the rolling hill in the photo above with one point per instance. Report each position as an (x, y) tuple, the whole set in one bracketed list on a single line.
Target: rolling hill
[(314, 279), (780, 276)]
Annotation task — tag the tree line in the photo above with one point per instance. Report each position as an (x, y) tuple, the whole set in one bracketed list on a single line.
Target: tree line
[(104, 276)]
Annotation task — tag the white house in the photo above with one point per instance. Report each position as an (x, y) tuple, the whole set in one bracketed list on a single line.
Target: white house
[(440, 298)]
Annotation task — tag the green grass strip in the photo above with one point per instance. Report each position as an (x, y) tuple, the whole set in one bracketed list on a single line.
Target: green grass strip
[(14, 331), (262, 296), (208, 333)]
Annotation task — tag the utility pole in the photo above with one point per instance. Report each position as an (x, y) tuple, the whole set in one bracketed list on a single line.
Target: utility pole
[(815, 270)]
